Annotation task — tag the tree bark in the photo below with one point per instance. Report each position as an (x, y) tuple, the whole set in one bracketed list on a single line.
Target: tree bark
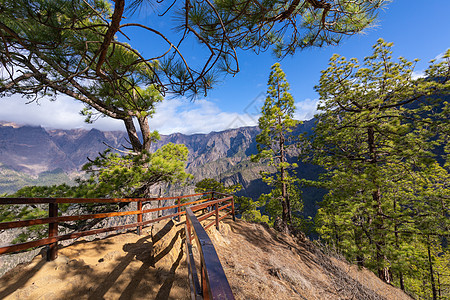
[(145, 129), (132, 135), (400, 273), (383, 272), (433, 284), (119, 7)]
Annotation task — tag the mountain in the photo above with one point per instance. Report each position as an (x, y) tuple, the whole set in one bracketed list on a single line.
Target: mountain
[(31, 150), (32, 155)]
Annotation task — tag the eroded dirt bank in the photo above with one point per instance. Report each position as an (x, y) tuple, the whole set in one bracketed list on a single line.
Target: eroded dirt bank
[(261, 263)]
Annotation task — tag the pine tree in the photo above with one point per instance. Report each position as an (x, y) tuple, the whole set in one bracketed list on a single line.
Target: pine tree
[(277, 124), (373, 137)]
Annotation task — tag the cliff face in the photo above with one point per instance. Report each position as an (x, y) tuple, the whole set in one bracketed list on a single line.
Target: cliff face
[(31, 150), (78, 144)]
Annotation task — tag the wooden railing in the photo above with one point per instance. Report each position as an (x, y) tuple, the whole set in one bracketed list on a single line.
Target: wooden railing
[(213, 283), (53, 218)]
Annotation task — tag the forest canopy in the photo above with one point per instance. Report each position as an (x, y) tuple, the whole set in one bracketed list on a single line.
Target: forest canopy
[(380, 136)]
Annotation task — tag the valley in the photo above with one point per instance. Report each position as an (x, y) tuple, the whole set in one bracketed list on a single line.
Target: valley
[(32, 155)]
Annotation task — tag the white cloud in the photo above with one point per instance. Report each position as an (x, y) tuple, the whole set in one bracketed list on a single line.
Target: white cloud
[(306, 109), (417, 74), (178, 115), (63, 113), (200, 116), (440, 56)]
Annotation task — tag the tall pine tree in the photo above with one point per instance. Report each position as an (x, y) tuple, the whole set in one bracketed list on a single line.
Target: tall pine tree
[(277, 124)]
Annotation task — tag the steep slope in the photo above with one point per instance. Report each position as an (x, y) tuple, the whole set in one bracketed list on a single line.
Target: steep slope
[(79, 144), (259, 263)]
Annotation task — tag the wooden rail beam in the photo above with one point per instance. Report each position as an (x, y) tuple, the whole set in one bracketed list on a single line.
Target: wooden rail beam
[(53, 219), (214, 282)]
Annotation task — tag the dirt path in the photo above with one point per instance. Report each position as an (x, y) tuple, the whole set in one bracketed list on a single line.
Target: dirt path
[(123, 266)]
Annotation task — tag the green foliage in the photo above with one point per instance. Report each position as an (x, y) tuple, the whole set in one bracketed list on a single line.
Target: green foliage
[(254, 215), (388, 199), (210, 184), (72, 46), (111, 176), (244, 206), (273, 200), (65, 41), (277, 124), (286, 25)]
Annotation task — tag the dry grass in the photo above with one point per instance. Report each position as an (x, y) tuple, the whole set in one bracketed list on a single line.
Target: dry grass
[(261, 263)]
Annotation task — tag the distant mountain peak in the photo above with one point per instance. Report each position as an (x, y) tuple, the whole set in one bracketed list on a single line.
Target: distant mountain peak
[(10, 124)]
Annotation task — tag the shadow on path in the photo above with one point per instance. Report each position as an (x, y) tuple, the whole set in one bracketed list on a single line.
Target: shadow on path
[(20, 282), (164, 291), (109, 280)]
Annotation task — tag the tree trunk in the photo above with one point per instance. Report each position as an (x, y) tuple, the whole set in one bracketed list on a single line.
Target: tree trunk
[(285, 203), (433, 285), (383, 272), (136, 144), (400, 273), (145, 129), (358, 242)]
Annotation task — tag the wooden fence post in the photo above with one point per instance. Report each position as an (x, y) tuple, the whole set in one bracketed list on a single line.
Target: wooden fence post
[(217, 215), (232, 208), (139, 217), (179, 209), (205, 289), (52, 252)]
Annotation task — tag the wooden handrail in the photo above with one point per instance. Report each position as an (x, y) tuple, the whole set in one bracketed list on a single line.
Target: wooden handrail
[(30, 200), (214, 283), (53, 218)]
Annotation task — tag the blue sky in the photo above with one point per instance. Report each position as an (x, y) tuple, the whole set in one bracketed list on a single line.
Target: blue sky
[(418, 29)]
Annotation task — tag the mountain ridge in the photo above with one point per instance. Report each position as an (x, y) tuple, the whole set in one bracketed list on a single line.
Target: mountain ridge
[(28, 153)]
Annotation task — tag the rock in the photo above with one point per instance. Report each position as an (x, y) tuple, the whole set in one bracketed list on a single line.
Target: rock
[(280, 226)]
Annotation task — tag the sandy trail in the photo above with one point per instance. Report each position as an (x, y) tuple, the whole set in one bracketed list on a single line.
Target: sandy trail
[(122, 266)]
